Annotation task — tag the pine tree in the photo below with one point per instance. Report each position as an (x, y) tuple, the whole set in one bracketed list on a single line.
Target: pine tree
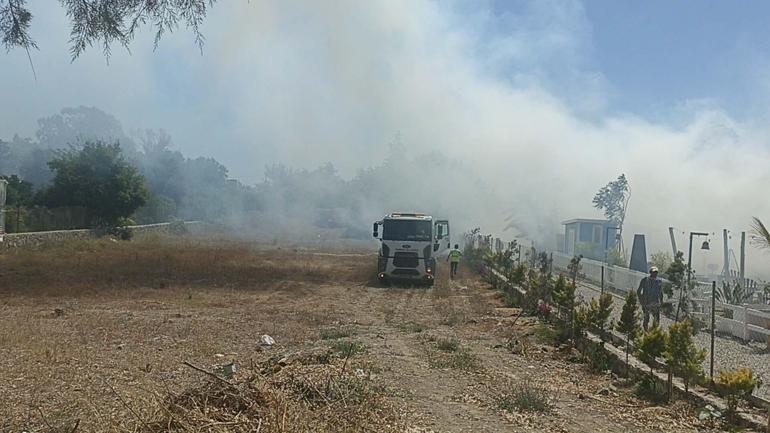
[(600, 311), (629, 321), (651, 344), (682, 355), (564, 296)]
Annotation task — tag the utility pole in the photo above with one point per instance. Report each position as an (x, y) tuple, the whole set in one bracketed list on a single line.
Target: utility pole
[(3, 184), (713, 322), (673, 240), (743, 257), (726, 248)]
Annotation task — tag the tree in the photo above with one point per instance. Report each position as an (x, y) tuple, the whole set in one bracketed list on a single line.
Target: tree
[(34, 166), (158, 208), (675, 273), (6, 156), (628, 324), (738, 385), (651, 345), (564, 297), (73, 126), (682, 355), (760, 236), (600, 310), (18, 194), (661, 260), (613, 200), (105, 21), (98, 178)]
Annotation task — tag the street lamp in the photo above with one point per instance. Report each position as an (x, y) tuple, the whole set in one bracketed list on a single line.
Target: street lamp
[(704, 246), (606, 246)]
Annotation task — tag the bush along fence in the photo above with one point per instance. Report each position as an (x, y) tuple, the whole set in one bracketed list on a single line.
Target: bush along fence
[(38, 239), (745, 322), (663, 363)]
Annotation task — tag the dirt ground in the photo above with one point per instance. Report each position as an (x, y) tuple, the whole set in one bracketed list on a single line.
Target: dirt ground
[(107, 355)]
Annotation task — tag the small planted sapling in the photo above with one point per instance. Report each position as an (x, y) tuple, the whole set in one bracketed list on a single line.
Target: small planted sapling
[(682, 355), (600, 310), (737, 385), (651, 345), (628, 324)]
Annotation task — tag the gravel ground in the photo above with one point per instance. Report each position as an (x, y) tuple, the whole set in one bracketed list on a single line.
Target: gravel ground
[(729, 353)]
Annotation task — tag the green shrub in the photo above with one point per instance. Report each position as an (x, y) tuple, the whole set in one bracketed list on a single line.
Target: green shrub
[(683, 357), (596, 357), (599, 311), (348, 348), (737, 385), (651, 345), (461, 359), (545, 334), (653, 390), (447, 345), (628, 324), (525, 397), (411, 327), (335, 333)]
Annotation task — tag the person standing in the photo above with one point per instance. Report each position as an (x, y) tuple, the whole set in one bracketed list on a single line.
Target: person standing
[(454, 260), (650, 293)]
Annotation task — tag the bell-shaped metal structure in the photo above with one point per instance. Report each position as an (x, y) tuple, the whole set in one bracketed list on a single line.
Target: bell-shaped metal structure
[(705, 245)]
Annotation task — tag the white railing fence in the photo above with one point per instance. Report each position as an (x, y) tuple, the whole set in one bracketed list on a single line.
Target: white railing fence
[(616, 278), (747, 323)]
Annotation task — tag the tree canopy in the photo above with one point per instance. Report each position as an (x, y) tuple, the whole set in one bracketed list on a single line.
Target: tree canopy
[(760, 236), (105, 22), (613, 200), (18, 192), (98, 178)]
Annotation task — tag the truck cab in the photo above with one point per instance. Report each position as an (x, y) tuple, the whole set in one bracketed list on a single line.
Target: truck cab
[(409, 245)]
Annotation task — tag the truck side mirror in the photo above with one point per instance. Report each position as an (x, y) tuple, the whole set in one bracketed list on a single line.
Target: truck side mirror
[(436, 247), (375, 231), (440, 234)]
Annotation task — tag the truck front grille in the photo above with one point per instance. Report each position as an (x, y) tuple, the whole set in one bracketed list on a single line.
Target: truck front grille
[(405, 272), (405, 260)]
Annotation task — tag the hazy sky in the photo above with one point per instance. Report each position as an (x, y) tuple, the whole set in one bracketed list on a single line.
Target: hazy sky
[(548, 99)]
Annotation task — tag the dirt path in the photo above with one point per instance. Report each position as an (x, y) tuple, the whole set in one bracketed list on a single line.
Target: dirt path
[(448, 358)]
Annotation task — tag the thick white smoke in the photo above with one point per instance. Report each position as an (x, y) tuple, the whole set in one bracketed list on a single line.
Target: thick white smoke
[(514, 97)]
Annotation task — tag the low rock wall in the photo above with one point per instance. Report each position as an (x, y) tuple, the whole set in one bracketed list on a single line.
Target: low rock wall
[(38, 239)]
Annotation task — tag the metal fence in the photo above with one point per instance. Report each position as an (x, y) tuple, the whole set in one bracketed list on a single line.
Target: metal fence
[(746, 322), (615, 277), (740, 321)]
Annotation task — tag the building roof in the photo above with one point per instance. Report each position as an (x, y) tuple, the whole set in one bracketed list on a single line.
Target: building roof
[(585, 220), (408, 215)]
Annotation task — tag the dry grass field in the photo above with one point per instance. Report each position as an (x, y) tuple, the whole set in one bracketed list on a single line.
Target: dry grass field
[(106, 336)]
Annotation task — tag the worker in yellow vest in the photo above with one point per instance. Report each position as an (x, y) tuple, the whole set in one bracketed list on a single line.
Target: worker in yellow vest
[(454, 260)]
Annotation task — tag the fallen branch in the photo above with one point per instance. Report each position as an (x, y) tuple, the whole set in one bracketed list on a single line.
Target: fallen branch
[(208, 373)]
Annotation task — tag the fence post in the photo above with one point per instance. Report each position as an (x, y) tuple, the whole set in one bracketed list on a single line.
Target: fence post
[(713, 322), (745, 323)]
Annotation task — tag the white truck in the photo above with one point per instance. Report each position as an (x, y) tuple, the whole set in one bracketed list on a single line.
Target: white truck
[(409, 245)]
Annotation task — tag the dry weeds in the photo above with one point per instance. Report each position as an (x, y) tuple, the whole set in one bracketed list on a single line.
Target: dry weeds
[(93, 337), (161, 261)]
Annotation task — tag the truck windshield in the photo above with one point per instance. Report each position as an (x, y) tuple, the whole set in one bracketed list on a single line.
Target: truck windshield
[(406, 230)]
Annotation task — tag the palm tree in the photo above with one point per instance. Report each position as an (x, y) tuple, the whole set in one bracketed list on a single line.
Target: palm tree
[(760, 236)]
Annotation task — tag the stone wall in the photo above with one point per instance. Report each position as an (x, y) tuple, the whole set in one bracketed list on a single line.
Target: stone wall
[(38, 239)]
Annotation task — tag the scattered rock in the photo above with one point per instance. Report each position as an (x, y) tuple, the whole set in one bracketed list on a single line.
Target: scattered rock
[(266, 340)]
